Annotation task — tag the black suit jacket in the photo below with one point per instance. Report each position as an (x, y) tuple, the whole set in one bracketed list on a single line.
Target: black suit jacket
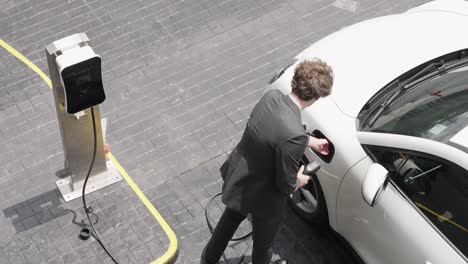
[(261, 171)]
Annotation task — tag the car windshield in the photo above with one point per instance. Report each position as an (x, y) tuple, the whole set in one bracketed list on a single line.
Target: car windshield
[(436, 109)]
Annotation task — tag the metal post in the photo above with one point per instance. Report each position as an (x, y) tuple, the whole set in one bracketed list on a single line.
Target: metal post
[(77, 132)]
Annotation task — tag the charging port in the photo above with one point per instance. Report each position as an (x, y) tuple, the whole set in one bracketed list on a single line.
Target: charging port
[(331, 147)]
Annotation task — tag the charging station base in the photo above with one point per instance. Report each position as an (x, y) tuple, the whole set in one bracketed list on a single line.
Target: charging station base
[(95, 183)]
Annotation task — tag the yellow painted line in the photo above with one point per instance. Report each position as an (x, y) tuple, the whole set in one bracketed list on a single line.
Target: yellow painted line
[(171, 252), (26, 61), (441, 217)]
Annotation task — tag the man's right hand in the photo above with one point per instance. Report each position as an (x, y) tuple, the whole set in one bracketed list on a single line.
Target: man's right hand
[(302, 179), (319, 144)]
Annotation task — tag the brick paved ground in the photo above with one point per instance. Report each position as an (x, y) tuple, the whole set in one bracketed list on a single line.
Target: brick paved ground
[(181, 78)]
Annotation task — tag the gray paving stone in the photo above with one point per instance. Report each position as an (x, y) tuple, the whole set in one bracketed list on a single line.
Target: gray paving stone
[(142, 254), (197, 223), (30, 222), (105, 228), (47, 251), (183, 216), (116, 246), (111, 212), (70, 257), (44, 216), (139, 227), (156, 248), (126, 258), (62, 245), (32, 255), (13, 253), (176, 207), (92, 260), (129, 237), (97, 249), (3, 258)]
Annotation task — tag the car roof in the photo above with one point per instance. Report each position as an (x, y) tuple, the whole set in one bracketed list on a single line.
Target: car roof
[(367, 56)]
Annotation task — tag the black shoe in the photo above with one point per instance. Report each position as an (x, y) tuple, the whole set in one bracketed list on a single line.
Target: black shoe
[(280, 261)]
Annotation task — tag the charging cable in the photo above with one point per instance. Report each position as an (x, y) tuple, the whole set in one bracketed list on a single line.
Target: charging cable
[(210, 227), (84, 234)]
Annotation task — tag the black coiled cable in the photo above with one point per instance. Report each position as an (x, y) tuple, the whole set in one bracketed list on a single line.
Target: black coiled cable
[(210, 227), (86, 208)]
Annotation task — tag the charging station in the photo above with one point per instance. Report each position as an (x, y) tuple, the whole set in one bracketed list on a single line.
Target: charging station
[(75, 73)]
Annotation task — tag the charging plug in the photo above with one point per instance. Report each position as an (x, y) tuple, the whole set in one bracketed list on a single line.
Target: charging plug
[(311, 168)]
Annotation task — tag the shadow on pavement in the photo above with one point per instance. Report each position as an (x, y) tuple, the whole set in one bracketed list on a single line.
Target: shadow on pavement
[(38, 210), (300, 242)]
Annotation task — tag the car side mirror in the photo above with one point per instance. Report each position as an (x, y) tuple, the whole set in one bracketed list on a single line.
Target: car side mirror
[(374, 184)]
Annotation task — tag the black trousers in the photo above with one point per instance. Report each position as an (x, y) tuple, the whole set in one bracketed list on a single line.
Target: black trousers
[(264, 231)]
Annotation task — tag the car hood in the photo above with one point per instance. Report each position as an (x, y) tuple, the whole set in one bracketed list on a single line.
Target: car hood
[(368, 55), (454, 6)]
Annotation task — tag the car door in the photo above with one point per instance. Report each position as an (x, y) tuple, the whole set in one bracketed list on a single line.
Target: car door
[(421, 217)]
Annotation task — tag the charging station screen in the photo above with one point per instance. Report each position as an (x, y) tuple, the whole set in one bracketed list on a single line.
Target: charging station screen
[(83, 85)]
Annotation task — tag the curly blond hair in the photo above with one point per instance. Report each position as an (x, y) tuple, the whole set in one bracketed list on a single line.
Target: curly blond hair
[(312, 79)]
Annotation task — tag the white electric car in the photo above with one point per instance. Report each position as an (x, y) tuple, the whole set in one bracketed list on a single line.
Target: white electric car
[(395, 184)]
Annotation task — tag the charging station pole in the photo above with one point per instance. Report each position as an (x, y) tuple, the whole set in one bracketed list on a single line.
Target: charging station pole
[(73, 68)]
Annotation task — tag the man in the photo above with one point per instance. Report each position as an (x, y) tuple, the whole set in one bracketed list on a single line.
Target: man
[(263, 169)]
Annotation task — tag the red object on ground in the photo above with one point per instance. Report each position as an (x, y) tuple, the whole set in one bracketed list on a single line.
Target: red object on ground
[(106, 149)]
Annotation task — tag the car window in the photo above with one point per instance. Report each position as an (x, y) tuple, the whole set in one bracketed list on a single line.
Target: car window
[(436, 109), (437, 187)]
